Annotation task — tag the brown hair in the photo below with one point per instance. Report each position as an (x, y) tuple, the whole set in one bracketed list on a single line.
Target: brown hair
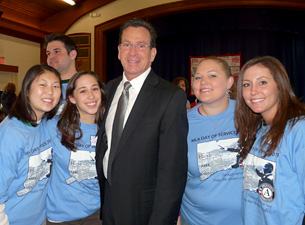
[(9, 88), (177, 80), (69, 122), (289, 108)]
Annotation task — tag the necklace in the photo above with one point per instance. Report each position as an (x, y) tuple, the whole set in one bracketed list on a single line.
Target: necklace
[(209, 117)]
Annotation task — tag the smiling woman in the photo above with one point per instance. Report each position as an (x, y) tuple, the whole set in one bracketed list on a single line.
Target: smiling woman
[(25, 149), (214, 181), (44, 94), (270, 122), (260, 92), (74, 169)]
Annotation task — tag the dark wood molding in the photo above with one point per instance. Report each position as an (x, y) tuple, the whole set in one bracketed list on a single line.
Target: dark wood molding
[(102, 29), (100, 54), (8, 68), (32, 29), (80, 59), (62, 21), (25, 32), (43, 54)]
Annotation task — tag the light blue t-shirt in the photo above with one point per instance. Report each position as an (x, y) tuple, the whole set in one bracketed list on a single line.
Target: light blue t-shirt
[(214, 182), (73, 189), (25, 161), (64, 85), (273, 187)]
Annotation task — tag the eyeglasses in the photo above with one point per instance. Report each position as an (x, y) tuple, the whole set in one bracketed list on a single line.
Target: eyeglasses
[(138, 47)]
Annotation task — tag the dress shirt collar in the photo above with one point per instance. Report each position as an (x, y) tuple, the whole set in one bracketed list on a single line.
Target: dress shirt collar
[(137, 82)]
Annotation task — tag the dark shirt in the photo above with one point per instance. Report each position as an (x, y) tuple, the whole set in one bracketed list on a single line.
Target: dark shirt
[(7, 100)]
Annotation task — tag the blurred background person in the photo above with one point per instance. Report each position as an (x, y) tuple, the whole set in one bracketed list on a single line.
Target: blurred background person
[(2, 116), (8, 97), (184, 85)]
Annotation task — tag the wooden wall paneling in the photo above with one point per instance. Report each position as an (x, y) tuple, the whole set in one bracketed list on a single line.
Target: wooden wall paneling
[(33, 19), (83, 43)]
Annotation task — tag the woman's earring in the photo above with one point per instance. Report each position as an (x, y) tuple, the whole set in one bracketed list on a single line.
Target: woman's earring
[(228, 93)]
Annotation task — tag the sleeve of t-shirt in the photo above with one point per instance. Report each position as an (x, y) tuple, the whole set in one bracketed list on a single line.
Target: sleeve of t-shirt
[(11, 141), (297, 145)]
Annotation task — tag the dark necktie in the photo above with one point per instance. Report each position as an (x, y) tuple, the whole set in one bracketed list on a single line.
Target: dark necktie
[(117, 127)]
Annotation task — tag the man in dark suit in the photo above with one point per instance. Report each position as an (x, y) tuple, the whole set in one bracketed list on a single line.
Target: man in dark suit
[(142, 173)]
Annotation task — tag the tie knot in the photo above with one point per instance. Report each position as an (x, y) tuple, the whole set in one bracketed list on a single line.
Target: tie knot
[(127, 85)]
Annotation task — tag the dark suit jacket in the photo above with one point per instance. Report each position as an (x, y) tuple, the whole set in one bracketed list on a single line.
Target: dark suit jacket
[(150, 167)]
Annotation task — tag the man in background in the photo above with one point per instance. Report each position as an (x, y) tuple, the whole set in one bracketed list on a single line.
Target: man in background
[(142, 171), (61, 55)]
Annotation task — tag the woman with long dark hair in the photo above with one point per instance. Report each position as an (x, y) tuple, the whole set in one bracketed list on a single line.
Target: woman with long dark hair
[(271, 126), (25, 149), (73, 191)]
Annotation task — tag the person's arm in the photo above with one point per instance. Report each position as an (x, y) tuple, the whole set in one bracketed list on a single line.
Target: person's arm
[(3, 216), (172, 163), (9, 158), (296, 138)]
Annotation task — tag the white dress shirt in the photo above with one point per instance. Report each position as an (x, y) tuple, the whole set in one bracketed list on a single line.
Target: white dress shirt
[(136, 85)]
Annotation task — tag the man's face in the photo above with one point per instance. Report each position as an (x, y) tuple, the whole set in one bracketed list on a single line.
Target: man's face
[(58, 57), (136, 61)]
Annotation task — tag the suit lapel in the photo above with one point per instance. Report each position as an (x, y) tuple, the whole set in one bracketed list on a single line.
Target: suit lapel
[(141, 103), (110, 91)]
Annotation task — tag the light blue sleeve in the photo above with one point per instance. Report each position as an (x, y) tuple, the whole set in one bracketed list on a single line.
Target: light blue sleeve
[(11, 141), (297, 142)]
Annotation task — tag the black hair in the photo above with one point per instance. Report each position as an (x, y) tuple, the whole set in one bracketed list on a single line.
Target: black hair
[(22, 109), (137, 22)]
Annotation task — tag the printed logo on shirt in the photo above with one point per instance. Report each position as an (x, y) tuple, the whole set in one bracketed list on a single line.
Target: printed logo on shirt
[(82, 166), (259, 176), (39, 169), (93, 140), (216, 156)]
